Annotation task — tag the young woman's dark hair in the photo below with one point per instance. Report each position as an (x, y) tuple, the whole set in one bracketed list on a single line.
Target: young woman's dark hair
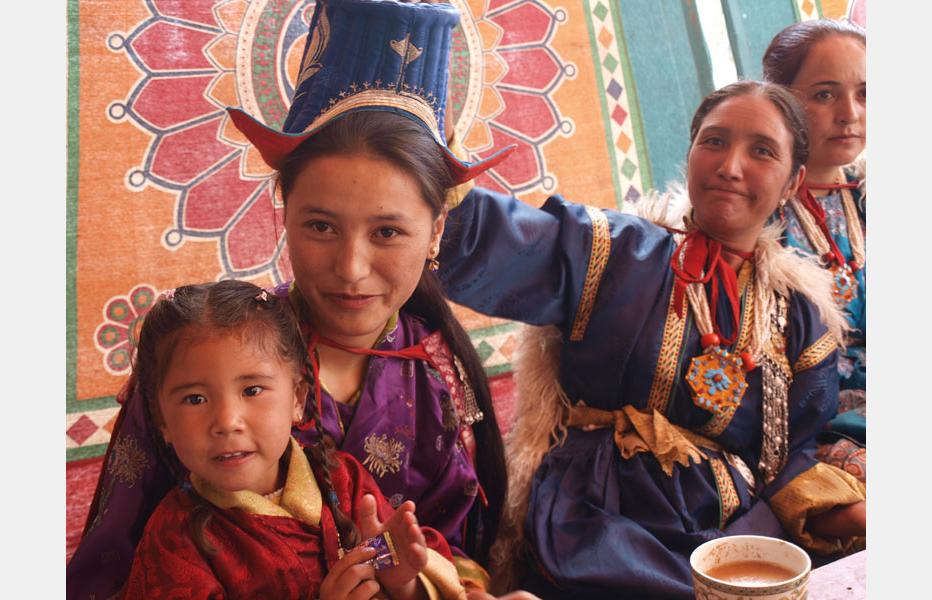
[(408, 146), (788, 49), (228, 307), (794, 116)]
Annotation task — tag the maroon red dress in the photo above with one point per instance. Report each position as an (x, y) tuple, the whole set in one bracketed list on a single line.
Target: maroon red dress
[(263, 550)]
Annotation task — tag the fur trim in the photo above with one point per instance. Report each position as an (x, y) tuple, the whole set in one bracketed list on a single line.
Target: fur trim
[(667, 209), (539, 426), (778, 268), (859, 169), (786, 270), (542, 407)]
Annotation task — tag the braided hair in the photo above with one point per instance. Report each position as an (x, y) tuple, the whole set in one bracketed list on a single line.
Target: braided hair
[(227, 307), (409, 147)]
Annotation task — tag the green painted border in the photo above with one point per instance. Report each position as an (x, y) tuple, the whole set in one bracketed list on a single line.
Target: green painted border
[(499, 369), (492, 330), (71, 210), (80, 406), (634, 105), (606, 118), (85, 452)]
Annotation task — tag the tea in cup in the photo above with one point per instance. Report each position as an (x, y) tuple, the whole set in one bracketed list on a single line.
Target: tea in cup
[(740, 567)]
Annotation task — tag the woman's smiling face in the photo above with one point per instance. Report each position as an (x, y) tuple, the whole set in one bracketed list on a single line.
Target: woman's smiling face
[(739, 168), (359, 233)]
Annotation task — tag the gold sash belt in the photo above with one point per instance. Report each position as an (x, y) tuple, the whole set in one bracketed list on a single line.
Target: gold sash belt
[(637, 431)]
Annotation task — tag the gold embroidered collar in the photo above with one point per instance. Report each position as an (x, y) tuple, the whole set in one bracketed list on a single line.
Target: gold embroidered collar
[(300, 499)]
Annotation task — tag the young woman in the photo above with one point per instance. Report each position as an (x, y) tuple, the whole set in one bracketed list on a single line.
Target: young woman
[(220, 369), (678, 394), (824, 63), (364, 172)]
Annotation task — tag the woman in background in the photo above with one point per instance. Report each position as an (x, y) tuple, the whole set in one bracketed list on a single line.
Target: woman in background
[(824, 63)]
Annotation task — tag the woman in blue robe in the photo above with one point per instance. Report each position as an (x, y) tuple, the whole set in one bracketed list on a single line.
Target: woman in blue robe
[(677, 391)]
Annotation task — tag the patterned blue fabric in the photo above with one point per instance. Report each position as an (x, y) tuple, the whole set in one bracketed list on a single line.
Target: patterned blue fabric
[(599, 525), (852, 366), (852, 362)]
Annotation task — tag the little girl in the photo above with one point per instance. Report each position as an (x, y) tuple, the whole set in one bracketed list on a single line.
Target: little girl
[(259, 517)]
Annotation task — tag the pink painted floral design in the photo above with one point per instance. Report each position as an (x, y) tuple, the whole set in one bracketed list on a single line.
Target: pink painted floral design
[(117, 336), (240, 53)]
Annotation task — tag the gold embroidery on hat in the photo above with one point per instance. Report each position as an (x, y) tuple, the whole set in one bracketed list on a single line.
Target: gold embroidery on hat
[(409, 102), (320, 36), (405, 49)]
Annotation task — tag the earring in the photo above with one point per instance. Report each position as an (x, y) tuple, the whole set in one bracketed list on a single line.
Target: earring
[(432, 263), (781, 211)]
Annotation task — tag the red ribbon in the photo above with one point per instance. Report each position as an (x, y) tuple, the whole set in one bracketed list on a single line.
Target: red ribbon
[(832, 186), (814, 207), (701, 254), (416, 352)]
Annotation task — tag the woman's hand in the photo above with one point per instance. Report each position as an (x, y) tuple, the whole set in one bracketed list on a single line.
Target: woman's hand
[(841, 522), (351, 578), (410, 546)]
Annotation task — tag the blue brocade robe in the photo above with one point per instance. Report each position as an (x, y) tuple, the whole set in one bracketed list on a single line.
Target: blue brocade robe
[(852, 363), (599, 525), (852, 367)]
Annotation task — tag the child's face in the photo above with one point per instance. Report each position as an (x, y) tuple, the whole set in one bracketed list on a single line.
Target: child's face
[(227, 407)]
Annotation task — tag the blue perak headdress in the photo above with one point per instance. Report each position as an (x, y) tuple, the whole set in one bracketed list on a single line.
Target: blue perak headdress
[(378, 55)]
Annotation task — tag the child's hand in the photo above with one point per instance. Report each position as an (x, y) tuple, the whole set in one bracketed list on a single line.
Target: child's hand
[(517, 595), (351, 578), (410, 545)]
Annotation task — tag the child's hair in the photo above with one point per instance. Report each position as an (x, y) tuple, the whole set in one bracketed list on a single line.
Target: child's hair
[(228, 307)]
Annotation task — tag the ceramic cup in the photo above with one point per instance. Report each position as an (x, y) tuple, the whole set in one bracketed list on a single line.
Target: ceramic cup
[(726, 552)]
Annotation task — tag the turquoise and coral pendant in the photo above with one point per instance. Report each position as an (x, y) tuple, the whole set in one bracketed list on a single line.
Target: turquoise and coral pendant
[(844, 284), (716, 379)]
